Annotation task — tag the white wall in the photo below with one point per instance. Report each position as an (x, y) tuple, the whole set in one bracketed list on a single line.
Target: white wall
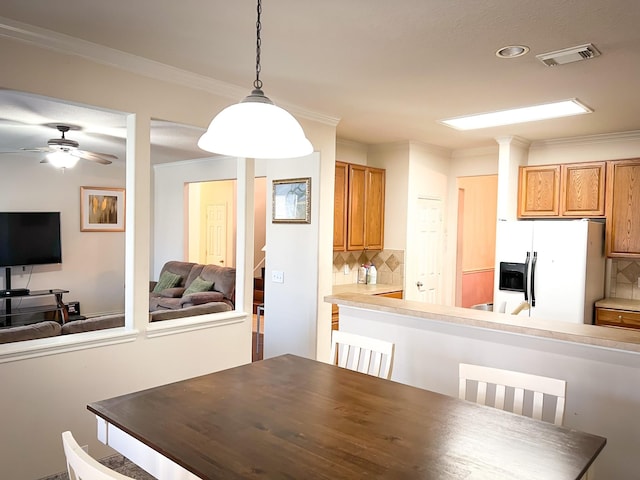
[(92, 267), (291, 314), (43, 396)]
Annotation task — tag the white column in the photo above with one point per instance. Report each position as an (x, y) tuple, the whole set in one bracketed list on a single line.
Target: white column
[(513, 153), (137, 222)]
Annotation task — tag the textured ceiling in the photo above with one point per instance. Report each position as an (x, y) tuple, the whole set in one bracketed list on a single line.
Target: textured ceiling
[(388, 70)]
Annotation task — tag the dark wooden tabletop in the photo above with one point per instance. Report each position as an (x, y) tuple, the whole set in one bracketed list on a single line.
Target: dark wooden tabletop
[(294, 418)]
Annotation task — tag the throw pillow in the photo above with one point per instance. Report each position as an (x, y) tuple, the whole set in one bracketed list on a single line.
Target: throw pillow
[(198, 285), (167, 280)]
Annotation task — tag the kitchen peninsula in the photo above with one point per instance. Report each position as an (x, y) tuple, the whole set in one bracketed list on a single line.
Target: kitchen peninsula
[(601, 365)]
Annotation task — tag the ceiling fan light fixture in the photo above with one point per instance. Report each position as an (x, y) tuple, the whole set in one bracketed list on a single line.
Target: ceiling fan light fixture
[(256, 127), (62, 159)]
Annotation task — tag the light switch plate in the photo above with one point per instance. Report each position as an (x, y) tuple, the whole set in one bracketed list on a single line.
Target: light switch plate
[(277, 276)]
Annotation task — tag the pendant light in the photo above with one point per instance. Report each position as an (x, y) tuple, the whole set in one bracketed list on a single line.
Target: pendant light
[(256, 127)]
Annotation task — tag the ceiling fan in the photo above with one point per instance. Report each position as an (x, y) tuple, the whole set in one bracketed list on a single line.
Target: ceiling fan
[(64, 152)]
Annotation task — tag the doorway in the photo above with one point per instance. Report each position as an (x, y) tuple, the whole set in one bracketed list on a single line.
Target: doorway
[(476, 239)]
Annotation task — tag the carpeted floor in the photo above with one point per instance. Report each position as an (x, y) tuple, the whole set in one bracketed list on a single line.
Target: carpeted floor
[(117, 463)]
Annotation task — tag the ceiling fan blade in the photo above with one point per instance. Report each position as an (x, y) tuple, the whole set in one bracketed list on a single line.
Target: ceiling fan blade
[(37, 149), (102, 158)]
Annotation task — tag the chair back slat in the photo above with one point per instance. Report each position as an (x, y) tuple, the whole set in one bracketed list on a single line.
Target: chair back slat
[(362, 354), (528, 392)]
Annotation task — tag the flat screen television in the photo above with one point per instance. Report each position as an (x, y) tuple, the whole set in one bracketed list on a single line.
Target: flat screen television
[(29, 238)]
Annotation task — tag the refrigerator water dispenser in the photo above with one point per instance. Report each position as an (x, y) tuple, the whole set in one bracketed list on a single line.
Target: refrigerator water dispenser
[(513, 276)]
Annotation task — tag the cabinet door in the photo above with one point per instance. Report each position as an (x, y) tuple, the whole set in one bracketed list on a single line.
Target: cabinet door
[(623, 205), (340, 207), (374, 209), (583, 189), (356, 222), (539, 191)]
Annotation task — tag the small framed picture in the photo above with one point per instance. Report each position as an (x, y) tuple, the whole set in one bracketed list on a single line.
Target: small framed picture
[(292, 201), (101, 209)]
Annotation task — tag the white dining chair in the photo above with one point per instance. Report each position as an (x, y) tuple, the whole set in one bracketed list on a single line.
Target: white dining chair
[(362, 354), (520, 383), (81, 466), (510, 390)]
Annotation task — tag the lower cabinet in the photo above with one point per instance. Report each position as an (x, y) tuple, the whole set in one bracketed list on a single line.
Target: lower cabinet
[(335, 314), (617, 318)]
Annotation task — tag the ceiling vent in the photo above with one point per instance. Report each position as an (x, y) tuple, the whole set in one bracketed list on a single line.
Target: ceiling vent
[(569, 55)]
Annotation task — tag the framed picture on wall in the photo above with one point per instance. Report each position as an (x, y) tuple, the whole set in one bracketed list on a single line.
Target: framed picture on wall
[(292, 201), (101, 209)]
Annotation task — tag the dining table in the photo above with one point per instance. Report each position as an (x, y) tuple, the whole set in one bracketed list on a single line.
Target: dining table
[(290, 417)]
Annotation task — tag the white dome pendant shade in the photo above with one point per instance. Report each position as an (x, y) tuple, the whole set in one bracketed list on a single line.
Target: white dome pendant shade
[(255, 128)]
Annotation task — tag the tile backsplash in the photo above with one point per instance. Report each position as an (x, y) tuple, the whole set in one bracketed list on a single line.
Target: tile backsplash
[(624, 279), (389, 265)]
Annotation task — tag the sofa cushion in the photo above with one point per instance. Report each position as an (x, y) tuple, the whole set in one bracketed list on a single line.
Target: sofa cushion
[(224, 280), (95, 323), (30, 332), (200, 298), (198, 285), (167, 280), (170, 303), (175, 292), (211, 307)]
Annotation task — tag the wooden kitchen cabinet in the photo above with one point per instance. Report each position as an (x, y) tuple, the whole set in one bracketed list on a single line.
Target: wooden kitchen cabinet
[(574, 190), (583, 189), (340, 207), (623, 208), (358, 208), (617, 318), (539, 191)]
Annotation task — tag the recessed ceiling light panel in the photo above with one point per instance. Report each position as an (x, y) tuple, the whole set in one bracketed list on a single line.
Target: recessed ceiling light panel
[(512, 51), (533, 113)]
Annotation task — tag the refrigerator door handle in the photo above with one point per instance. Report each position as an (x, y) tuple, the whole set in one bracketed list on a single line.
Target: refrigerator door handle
[(526, 277), (533, 279)]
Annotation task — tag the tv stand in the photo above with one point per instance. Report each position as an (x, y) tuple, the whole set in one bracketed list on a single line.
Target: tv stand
[(60, 309)]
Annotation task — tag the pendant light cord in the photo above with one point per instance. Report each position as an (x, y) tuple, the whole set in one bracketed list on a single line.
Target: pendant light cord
[(257, 84)]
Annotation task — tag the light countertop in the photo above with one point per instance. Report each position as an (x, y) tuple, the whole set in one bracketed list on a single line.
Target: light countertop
[(619, 304), (364, 289), (605, 337)]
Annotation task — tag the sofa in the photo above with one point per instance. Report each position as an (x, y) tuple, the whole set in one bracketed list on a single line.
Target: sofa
[(185, 289), (49, 328)]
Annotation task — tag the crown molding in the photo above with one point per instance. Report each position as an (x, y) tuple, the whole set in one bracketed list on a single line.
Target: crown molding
[(633, 135), (66, 44)]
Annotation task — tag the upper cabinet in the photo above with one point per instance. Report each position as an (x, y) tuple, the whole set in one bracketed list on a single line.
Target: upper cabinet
[(623, 207), (539, 191), (583, 189), (359, 208), (569, 190), (340, 206)]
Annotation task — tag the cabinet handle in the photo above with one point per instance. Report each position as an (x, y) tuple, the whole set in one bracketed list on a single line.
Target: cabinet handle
[(619, 317)]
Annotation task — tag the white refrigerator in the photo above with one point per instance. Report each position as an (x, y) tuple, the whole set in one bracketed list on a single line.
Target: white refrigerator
[(556, 266)]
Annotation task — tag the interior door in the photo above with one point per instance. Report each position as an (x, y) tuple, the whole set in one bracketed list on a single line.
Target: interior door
[(429, 232), (217, 234)]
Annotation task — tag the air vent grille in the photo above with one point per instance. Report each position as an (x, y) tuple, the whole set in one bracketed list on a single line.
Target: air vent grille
[(569, 55)]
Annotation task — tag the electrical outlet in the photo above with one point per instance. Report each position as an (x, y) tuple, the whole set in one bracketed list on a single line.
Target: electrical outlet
[(277, 276), (347, 271)]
